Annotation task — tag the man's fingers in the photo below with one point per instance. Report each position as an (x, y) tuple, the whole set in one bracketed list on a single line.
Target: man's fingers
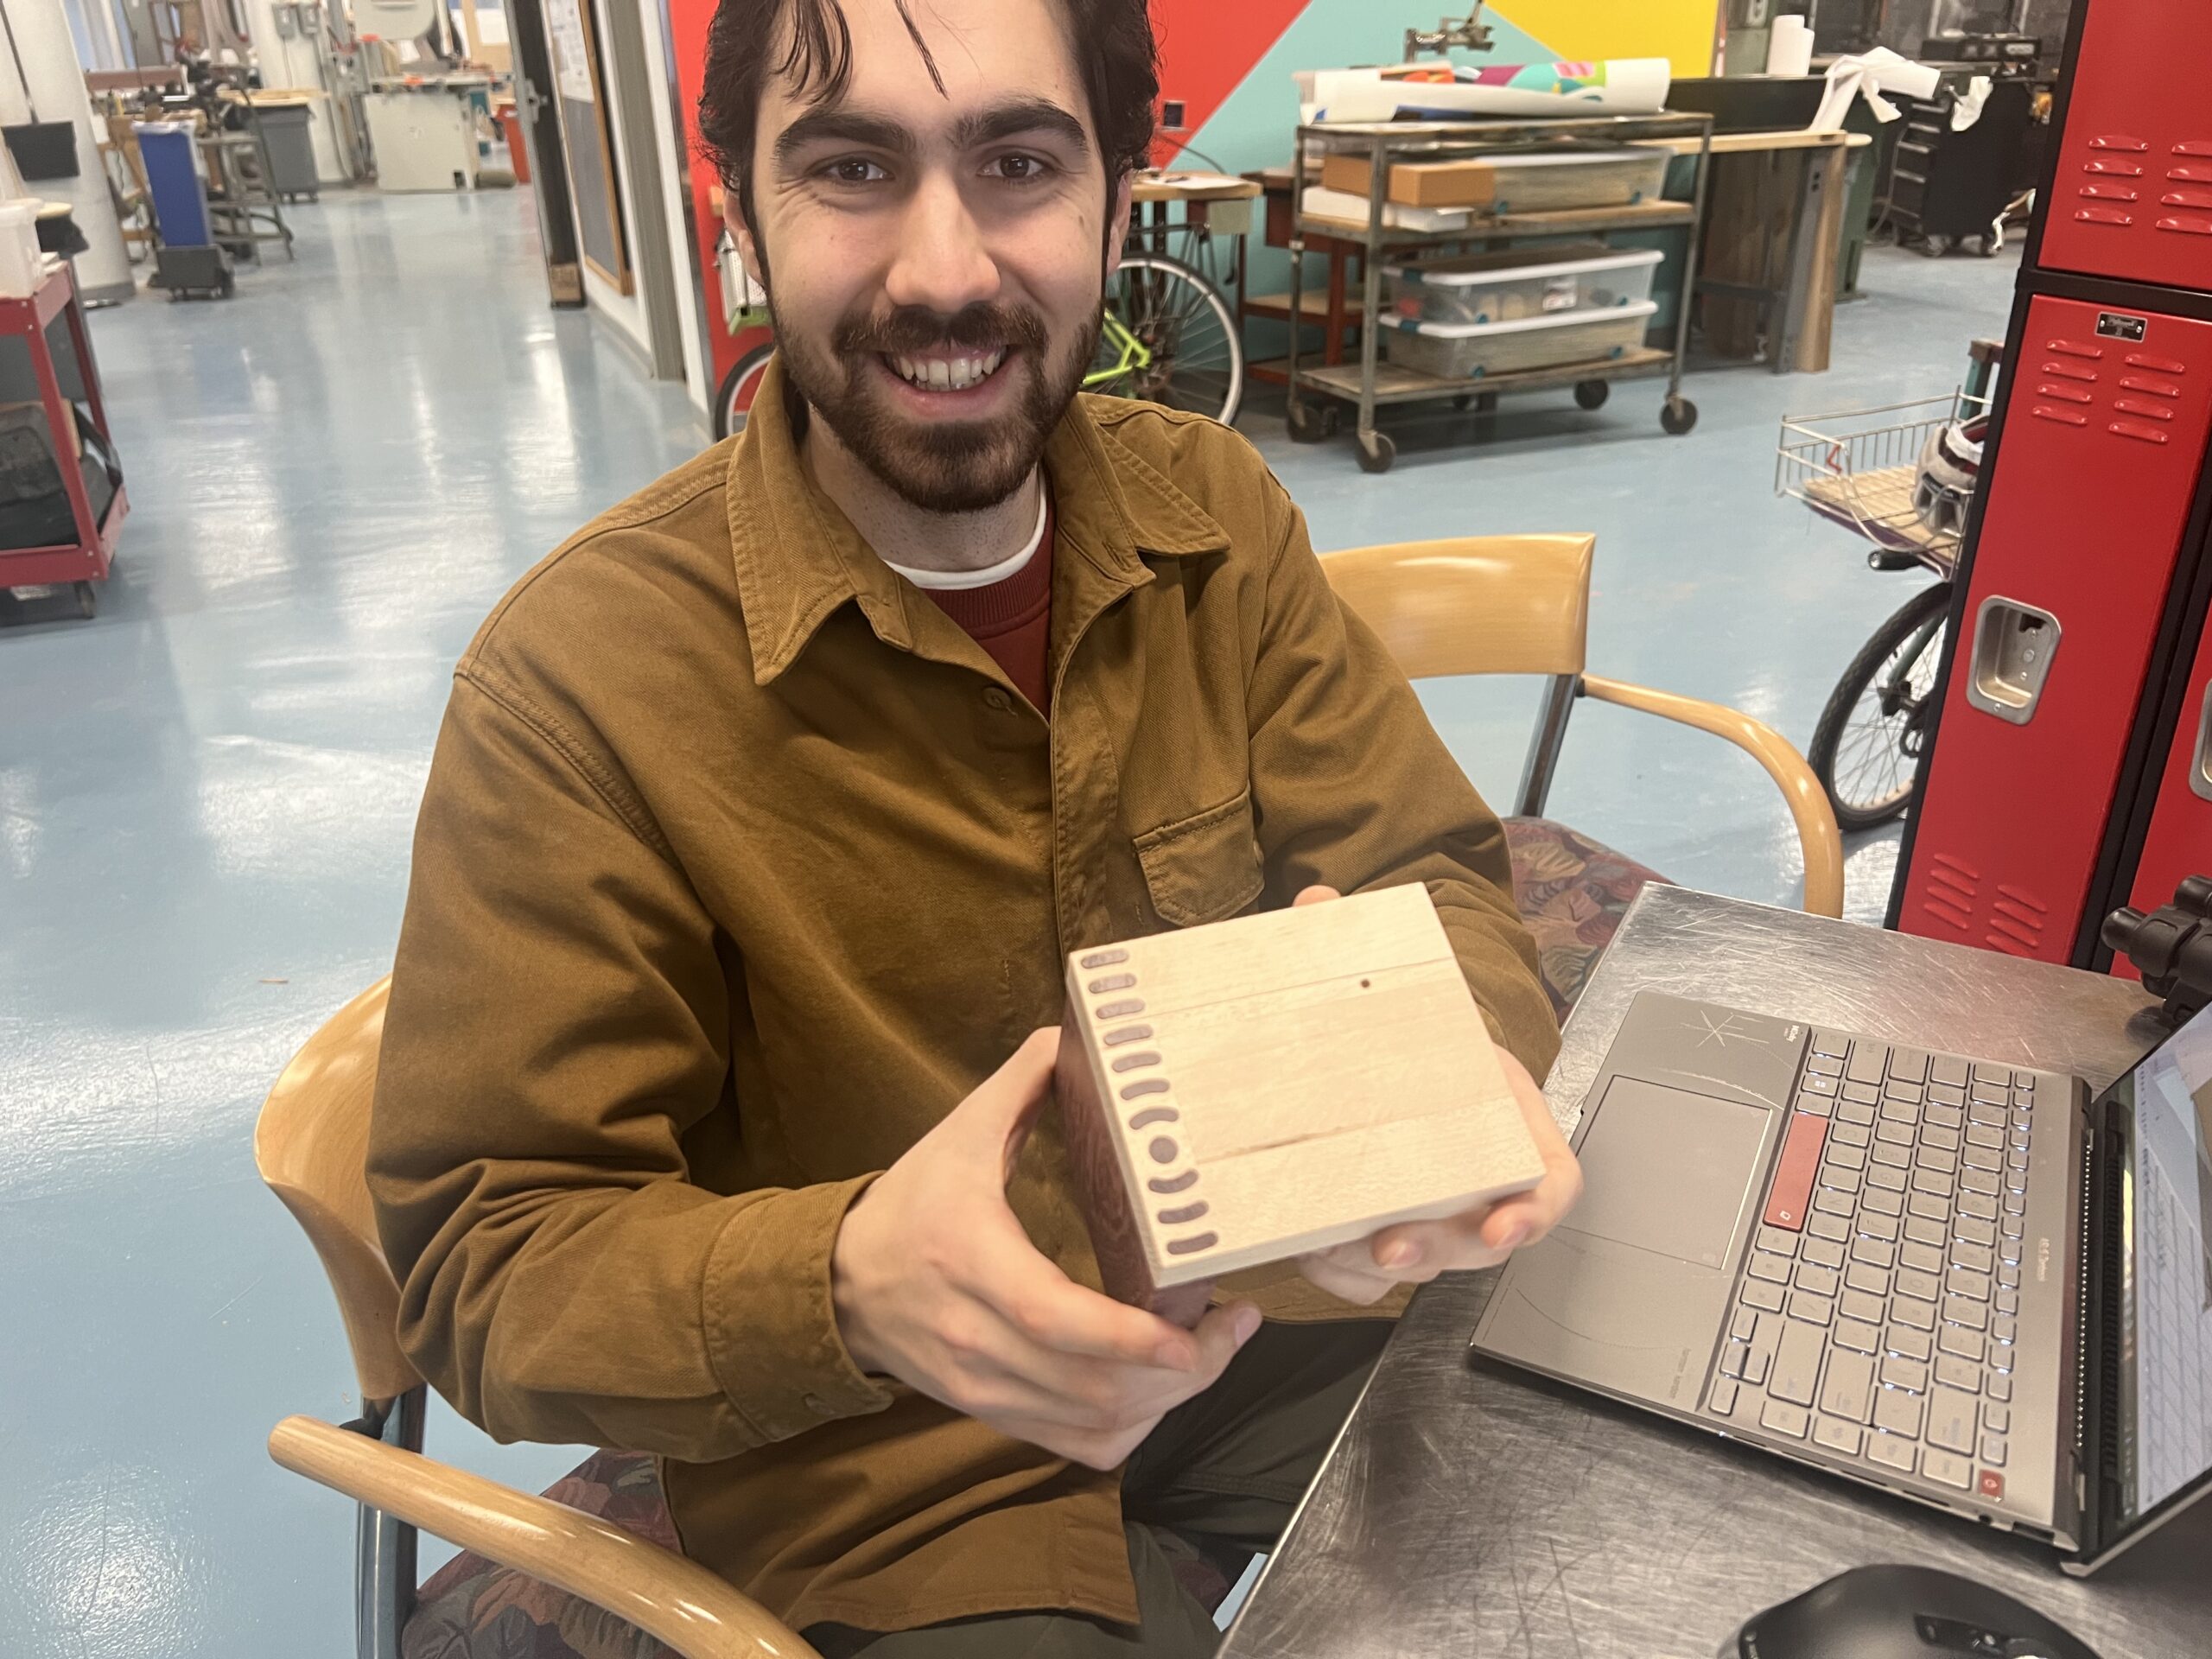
[(1315, 894), (1358, 1286), (1052, 1311), (998, 1111)]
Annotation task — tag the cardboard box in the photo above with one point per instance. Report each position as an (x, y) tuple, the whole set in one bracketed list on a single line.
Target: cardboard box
[(1418, 184)]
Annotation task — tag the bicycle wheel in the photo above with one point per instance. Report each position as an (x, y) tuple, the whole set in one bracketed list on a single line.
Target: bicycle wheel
[(1196, 358), (1867, 744), (734, 401)]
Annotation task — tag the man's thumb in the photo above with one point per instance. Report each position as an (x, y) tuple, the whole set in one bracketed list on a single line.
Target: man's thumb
[(1004, 1106)]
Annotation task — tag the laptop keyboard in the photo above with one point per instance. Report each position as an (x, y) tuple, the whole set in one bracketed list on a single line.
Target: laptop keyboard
[(1879, 1310)]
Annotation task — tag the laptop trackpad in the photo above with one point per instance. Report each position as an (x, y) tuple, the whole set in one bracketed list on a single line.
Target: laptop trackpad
[(1628, 1293)]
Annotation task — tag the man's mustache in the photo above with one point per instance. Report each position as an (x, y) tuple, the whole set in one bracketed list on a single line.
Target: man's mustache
[(917, 331)]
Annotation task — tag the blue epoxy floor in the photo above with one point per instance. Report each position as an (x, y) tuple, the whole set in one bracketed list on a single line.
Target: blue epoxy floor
[(206, 796)]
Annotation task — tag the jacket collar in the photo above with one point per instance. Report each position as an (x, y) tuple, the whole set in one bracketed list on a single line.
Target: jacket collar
[(798, 558)]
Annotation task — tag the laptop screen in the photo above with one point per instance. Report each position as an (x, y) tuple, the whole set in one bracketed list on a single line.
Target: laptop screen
[(2165, 1393)]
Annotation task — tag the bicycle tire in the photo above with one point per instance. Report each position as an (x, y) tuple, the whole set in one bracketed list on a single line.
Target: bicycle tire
[(1835, 723), (1177, 295), (733, 398)]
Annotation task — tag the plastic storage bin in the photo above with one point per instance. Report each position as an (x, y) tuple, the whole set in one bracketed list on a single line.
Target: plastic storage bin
[(1517, 283), (1464, 350)]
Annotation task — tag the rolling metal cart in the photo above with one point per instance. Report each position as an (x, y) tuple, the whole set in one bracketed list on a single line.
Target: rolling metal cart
[(1371, 383)]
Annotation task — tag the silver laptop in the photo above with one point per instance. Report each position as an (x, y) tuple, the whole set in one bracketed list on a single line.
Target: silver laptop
[(1973, 1285)]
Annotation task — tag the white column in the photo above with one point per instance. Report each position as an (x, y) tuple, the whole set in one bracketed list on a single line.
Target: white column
[(57, 89)]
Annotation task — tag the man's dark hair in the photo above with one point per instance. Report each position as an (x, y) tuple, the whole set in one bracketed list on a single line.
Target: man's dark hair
[(1111, 41)]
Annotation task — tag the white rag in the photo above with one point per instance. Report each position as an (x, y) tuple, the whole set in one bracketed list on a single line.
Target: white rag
[(1868, 75)]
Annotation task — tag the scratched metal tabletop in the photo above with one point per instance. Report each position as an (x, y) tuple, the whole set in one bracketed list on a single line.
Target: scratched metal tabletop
[(1471, 1510)]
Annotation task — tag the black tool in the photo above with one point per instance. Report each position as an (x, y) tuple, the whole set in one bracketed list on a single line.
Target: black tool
[(1903, 1613), (2172, 947)]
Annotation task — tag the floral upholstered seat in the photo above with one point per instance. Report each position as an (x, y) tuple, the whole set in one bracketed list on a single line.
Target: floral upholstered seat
[(1572, 892)]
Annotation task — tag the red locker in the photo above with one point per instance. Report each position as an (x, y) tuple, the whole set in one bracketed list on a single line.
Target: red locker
[(2104, 433), (2131, 188), (2179, 842)]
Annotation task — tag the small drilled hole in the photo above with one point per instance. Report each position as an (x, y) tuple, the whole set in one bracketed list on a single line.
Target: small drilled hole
[(1149, 1086), (1364, 983), (1190, 1246), (1188, 1212), (1174, 1183), (1152, 1115), (1162, 1149)]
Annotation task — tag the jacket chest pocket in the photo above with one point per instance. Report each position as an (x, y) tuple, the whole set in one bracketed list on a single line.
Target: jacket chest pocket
[(1205, 868)]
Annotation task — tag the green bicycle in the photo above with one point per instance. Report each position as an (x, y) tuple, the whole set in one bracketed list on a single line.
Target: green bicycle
[(1166, 334)]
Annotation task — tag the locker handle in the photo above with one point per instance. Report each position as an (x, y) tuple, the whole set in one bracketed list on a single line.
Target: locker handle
[(2200, 766), (2013, 643)]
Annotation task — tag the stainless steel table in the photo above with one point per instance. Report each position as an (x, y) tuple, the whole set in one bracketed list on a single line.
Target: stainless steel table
[(1471, 1510)]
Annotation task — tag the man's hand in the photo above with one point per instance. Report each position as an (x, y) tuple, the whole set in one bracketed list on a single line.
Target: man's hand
[(1417, 1251), (935, 1283)]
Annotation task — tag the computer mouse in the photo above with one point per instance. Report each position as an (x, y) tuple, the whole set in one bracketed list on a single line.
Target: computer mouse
[(1903, 1613)]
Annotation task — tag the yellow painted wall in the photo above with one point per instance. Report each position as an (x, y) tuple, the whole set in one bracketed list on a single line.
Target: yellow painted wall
[(1678, 30)]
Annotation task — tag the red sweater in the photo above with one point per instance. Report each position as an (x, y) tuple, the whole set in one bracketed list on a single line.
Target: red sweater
[(1012, 619)]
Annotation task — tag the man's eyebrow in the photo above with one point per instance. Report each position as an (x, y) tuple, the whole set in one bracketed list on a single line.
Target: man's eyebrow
[(1019, 116), (843, 127)]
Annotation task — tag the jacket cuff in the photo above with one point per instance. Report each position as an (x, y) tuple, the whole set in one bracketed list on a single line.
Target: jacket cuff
[(771, 1326)]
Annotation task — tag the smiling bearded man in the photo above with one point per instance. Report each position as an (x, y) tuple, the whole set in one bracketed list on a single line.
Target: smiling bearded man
[(707, 1122)]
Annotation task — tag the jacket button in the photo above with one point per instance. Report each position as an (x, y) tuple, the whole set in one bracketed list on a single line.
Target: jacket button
[(815, 1403), (996, 699)]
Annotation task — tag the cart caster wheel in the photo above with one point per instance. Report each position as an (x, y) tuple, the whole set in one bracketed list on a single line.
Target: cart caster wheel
[(1376, 452), (88, 601), (228, 286), (1591, 394), (1677, 416), (1934, 247), (1306, 424), (1991, 245), (1466, 400)]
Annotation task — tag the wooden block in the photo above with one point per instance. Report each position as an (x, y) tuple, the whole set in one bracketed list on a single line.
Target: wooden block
[(1418, 184), (1245, 1092)]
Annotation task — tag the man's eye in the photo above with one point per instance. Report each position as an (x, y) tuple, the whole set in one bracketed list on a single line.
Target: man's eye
[(854, 170), (1021, 169)]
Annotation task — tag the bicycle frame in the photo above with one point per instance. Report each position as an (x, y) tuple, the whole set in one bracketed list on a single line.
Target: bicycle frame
[(1130, 354)]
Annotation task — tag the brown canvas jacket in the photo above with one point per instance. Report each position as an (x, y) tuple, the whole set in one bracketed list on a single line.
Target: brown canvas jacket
[(739, 864)]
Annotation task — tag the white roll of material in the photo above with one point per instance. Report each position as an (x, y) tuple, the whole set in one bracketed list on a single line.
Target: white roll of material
[(1789, 47)]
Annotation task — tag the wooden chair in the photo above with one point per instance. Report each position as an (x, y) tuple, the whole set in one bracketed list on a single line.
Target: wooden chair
[(1521, 605), (311, 1145)]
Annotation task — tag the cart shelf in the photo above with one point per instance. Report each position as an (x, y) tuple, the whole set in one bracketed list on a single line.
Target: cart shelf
[(1569, 221), (1393, 385)]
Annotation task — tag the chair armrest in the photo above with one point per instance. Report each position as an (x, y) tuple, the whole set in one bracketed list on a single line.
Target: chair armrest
[(1808, 801), (659, 1592)]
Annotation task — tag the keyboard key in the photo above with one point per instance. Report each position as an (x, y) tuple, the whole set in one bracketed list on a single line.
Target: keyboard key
[(1785, 1419), (1896, 1454), (2000, 1388), (1983, 1071), (1848, 1391), (2008, 1254), (1881, 1202), (1854, 1112), (1840, 1178), (1945, 1094), (2014, 1225), (1838, 1437), (2001, 1358), (1992, 1450), (1869, 1063), (1842, 1156), (1921, 1316), (1812, 1083), (1859, 1335), (1988, 1116), (2016, 1202), (1928, 1205), (1831, 1045), (1796, 1363), (1756, 1363), (1721, 1398), (1826, 1063), (1977, 1180), (1975, 1258), (1940, 1117), (1874, 1226), (1965, 1281), (1921, 1258), (1778, 1240), (1996, 1418), (1941, 1467), (1829, 1227), (1991, 1159), (2007, 1302), (1951, 1420), (2003, 1328), (1898, 1413), (1892, 1138), (1875, 1281), (1766, 1265), (1921, 1286), (1960, 1340), (1767, 1297), (1908, 1343), (1932, 1182), (1850, 1134), (1821, 1281), (1731, 1359), (2017, 1159), (1883, 1176), (1936, 1158), (1982, 1134), (1927, 1232), (1744, 1326), (1980, 1205), (1824, 1251), (1948, 1068), (1965, 1310), (1973, 1230), (1812, 1101), (1910, 1063), (1874, 1252), (1907, 1374), (1790, 1194), (1834, 1203), (1865, 1094), (1956, 1373), (1858, 1305), (1813, 1309), (1899, 1111)]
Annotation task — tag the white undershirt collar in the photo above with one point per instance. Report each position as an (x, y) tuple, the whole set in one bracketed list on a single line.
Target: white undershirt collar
[(954, 581)]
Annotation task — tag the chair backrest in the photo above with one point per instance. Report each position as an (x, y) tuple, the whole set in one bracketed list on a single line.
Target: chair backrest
[(311, 1145), (1473, 604)]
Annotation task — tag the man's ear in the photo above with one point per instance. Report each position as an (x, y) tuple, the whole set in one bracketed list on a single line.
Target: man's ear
[(748, 252), (1117, 224)]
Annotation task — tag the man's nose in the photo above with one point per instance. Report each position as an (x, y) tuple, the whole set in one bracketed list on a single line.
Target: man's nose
[(942, 262)]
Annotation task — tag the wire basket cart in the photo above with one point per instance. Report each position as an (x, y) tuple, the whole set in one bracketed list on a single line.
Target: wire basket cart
[(1858, 468)]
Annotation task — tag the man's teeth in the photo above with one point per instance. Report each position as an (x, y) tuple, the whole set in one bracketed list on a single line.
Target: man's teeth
[(948, 373)]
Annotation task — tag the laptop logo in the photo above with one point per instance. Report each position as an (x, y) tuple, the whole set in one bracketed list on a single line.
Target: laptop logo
[(2043, 1260)]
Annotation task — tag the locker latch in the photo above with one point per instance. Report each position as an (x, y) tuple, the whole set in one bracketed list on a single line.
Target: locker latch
[(2013, 643), (2200, 763)]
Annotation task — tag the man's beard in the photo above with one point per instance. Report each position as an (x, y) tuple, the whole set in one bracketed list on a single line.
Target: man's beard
[(941, 466)]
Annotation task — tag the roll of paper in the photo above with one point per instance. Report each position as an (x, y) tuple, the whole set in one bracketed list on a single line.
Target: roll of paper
[(1615, 86), (1789, 47)]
